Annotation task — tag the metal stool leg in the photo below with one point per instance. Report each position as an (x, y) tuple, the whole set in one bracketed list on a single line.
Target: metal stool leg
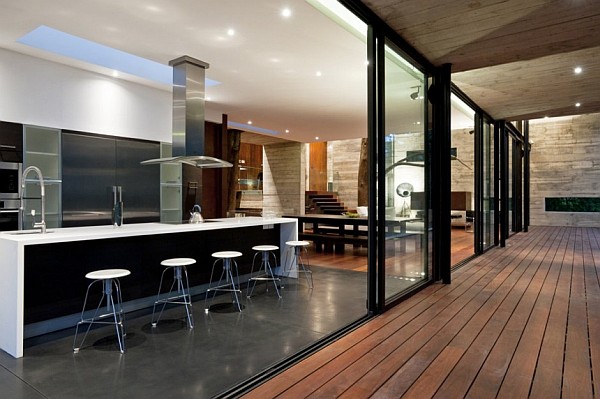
[(248, 291), (179, 274), (214, 289), (300, 262), (115, 310), (234, 289), (267, 275)]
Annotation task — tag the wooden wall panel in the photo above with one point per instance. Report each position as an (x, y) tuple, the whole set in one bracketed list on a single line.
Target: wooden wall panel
[(317, 179)]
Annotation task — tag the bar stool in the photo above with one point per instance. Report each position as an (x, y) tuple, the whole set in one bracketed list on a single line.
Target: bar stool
[(266, 251), (183, 290), (110, 280), (227, 258), (297, 264)]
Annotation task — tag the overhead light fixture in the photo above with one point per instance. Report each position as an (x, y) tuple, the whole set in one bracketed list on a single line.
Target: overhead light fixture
[(578, 70), (416, 94), (578, 104), (286, 13)]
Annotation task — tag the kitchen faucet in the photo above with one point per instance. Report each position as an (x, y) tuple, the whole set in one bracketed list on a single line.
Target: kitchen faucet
[(42, 223)]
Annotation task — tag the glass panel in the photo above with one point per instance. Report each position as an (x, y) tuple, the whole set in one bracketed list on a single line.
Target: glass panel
[(462, 169), (42, 148), (488, 186), (405, 194)]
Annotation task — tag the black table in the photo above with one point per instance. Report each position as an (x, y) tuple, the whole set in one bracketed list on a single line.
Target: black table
[(334, 231)]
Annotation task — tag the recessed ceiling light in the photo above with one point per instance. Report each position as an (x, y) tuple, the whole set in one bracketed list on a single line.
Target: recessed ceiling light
[(287, 131), (578, 70), (578, 104), (249, 122), (319, 73), (317, 138), (286, 13), (230, 32)]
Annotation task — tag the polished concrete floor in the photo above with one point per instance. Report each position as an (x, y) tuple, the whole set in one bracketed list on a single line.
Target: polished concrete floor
[(169, 361)]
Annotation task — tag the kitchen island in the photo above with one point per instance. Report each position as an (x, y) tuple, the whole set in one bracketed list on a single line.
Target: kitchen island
[(42, 276)]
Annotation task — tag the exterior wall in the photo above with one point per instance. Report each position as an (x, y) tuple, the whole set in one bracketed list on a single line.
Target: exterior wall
[(284, 181), (565, 162)]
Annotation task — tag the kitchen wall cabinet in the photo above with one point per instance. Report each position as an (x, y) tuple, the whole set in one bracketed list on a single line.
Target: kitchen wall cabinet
[(42, 148), (11, 142)]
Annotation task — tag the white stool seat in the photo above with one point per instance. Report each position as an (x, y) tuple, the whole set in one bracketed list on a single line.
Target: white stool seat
[(265, 247), (178, 262), (226, 254), (298, 243), (107, 274)]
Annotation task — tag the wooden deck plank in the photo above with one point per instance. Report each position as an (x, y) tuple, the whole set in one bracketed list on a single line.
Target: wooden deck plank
[(576, 374), (498, 330), (518, 378), (547, 380), (460, 379), (436, 373), (491, 375), (386, 368), (482, 311), (592, 288)]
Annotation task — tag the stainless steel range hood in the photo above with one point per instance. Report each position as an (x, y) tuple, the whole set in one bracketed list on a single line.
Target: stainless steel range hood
[(188, 116)]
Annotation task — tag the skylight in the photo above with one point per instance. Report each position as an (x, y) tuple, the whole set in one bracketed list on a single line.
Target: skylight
[(55, 41)]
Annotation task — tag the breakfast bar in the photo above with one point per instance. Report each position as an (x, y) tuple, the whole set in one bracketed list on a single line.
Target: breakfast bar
[(42, 276)]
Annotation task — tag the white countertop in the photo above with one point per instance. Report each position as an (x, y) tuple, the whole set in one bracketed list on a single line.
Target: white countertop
[(128, 230)]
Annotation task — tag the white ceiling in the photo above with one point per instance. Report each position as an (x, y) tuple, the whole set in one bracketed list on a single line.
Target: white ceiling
[(267, 69), (512, 57)]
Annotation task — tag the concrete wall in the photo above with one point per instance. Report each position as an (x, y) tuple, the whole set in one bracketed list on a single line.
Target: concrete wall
[(463, 169), (565, 162), (284, 178), (343, 158)]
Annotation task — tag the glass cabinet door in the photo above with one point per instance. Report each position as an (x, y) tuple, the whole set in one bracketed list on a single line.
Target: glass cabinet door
[(42, 148)]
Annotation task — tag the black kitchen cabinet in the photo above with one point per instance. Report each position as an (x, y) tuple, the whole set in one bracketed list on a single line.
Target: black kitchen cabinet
[(92, 165), (11, 142)]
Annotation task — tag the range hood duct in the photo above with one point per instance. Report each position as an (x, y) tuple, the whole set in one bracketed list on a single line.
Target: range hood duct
[(188, 116)]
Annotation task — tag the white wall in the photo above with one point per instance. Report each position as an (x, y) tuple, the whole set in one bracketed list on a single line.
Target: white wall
[(39, 92)]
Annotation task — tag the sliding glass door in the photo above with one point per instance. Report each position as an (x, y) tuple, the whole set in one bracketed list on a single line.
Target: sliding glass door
[(406, 208)]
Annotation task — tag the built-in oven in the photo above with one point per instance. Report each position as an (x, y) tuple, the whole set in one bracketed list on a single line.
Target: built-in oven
[(10, 215), (10, 180), (10, 196)]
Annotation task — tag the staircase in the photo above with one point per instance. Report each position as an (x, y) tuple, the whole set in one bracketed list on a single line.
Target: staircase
[(324, 202)]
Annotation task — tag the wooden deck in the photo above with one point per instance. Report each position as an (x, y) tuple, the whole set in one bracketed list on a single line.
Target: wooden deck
[(521, 321)]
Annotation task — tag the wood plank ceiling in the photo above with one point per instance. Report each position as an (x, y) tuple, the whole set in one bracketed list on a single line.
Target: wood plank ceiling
[(514, 58)]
